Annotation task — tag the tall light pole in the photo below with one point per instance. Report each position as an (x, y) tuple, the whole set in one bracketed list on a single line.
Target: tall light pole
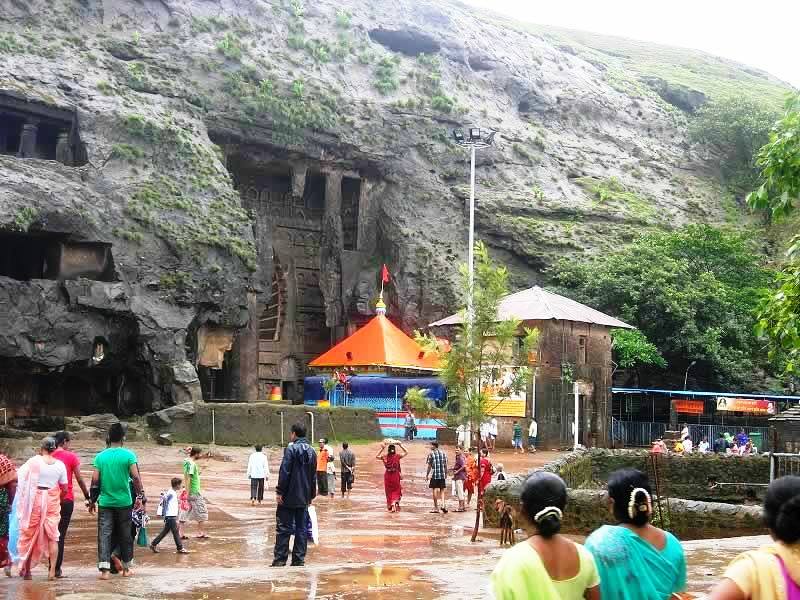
[(686, 376), (475, 138)]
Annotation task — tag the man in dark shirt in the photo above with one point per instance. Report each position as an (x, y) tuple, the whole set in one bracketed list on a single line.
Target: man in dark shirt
[(348, 461), (720, 445), (295, 491)]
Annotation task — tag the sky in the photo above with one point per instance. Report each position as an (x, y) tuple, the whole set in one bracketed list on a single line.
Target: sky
[(761, 33)]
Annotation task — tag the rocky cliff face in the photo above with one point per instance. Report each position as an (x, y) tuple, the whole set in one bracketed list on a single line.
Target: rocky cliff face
[(143, 107)]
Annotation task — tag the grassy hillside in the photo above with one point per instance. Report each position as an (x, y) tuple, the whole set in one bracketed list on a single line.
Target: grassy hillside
[(716, 77)]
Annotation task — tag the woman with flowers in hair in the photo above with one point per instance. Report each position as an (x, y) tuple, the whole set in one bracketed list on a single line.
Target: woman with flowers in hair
[(636, 560), (546, 566)]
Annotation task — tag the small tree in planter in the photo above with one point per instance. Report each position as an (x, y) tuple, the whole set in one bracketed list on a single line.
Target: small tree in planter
[(329, 384), (481, 347)]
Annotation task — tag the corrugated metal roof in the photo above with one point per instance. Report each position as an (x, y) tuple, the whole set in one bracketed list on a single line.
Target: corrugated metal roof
[(622, 390), (536, 304), (792, 414)]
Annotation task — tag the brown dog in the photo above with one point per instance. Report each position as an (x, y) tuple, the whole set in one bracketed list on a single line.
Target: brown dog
[(506, 522)]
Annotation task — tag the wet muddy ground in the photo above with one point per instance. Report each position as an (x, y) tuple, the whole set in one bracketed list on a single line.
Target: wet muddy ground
[(364, 551)]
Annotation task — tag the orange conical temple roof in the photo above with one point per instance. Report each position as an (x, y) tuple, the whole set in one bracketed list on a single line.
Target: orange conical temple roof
[(378, 343)]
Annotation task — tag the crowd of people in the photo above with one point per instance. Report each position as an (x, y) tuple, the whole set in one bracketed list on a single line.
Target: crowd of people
[(631, 560), (726, 444)]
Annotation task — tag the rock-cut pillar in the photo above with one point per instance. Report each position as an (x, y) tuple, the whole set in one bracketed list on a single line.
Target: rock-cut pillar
[(330, 279), (64, 149), (27, 142)]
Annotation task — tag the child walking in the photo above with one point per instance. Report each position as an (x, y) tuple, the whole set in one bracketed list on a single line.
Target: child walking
[(169, 509)]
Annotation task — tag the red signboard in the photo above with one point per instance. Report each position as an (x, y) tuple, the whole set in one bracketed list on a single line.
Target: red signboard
[(751, 406), (688, 407)]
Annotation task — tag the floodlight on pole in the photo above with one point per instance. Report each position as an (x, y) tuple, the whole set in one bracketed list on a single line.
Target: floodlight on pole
[(475, 139), (686, 376)]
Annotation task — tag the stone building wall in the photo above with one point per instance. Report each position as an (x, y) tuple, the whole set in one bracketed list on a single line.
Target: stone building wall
[(568, 352)]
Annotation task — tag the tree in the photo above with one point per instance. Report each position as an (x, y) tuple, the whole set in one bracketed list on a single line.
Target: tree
[(779, 160), (735, 128), (779, 192), (691, 292), (631, 347), (481, 346)]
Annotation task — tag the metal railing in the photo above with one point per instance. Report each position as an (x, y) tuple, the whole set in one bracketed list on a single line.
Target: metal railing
[(781, 464), (636, 433), (641, 434)]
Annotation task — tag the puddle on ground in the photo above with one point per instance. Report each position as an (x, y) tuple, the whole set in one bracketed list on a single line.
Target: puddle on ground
[(374, 583)]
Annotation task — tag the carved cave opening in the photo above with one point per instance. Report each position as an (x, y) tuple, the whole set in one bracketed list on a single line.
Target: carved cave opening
[(38, 397), (26, 256), (33, 130), (351, 193), (215, 350)]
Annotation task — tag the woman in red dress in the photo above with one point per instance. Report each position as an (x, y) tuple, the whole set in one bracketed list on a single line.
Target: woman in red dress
[(486, 471), (392, 476)]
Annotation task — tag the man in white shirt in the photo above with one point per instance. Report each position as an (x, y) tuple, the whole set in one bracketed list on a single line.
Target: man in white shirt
[(688, 445), (484, 433), (258, 472), (492, 433), (533, 431), (702, 447), (461, 436)]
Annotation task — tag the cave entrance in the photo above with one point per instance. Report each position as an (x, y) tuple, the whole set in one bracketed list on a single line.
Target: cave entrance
[(26, 256), (35, 130), (351, 194), (314, 196), (218, 363), (38, 398)]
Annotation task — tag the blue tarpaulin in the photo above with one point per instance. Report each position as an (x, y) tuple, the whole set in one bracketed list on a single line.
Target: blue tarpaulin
[(362, 386)]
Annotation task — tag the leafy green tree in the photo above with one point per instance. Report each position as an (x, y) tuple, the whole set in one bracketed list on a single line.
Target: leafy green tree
[(779, 160), (734, 128), (691, 292), (779, 312), (631, 347), (481, 345)]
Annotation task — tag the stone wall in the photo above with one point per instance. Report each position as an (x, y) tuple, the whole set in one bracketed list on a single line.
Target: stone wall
[(688, 519), (703, 515), (247, 424), (691, 476)]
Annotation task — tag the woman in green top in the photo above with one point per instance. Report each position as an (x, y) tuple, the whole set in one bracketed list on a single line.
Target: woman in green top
[(547, 566), (197, 511), (636, 560)]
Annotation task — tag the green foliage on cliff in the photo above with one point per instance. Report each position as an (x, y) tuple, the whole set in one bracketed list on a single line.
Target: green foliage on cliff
[(611, 191), (230, 46), (289, 112), (734, 129), (692, 292), (385, 80), (779, 193)]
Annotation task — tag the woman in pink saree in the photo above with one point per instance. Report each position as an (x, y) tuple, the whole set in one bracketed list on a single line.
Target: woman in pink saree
[(37, 509), (392, 476)]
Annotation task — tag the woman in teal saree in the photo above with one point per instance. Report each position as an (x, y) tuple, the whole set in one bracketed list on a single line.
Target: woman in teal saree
[(635, 560)]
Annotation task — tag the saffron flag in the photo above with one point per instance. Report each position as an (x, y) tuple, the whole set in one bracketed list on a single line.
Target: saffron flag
[(384, 274)]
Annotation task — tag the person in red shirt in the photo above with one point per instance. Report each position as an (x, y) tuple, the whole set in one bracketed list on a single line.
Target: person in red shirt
[(486, 471), (73, 465)]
